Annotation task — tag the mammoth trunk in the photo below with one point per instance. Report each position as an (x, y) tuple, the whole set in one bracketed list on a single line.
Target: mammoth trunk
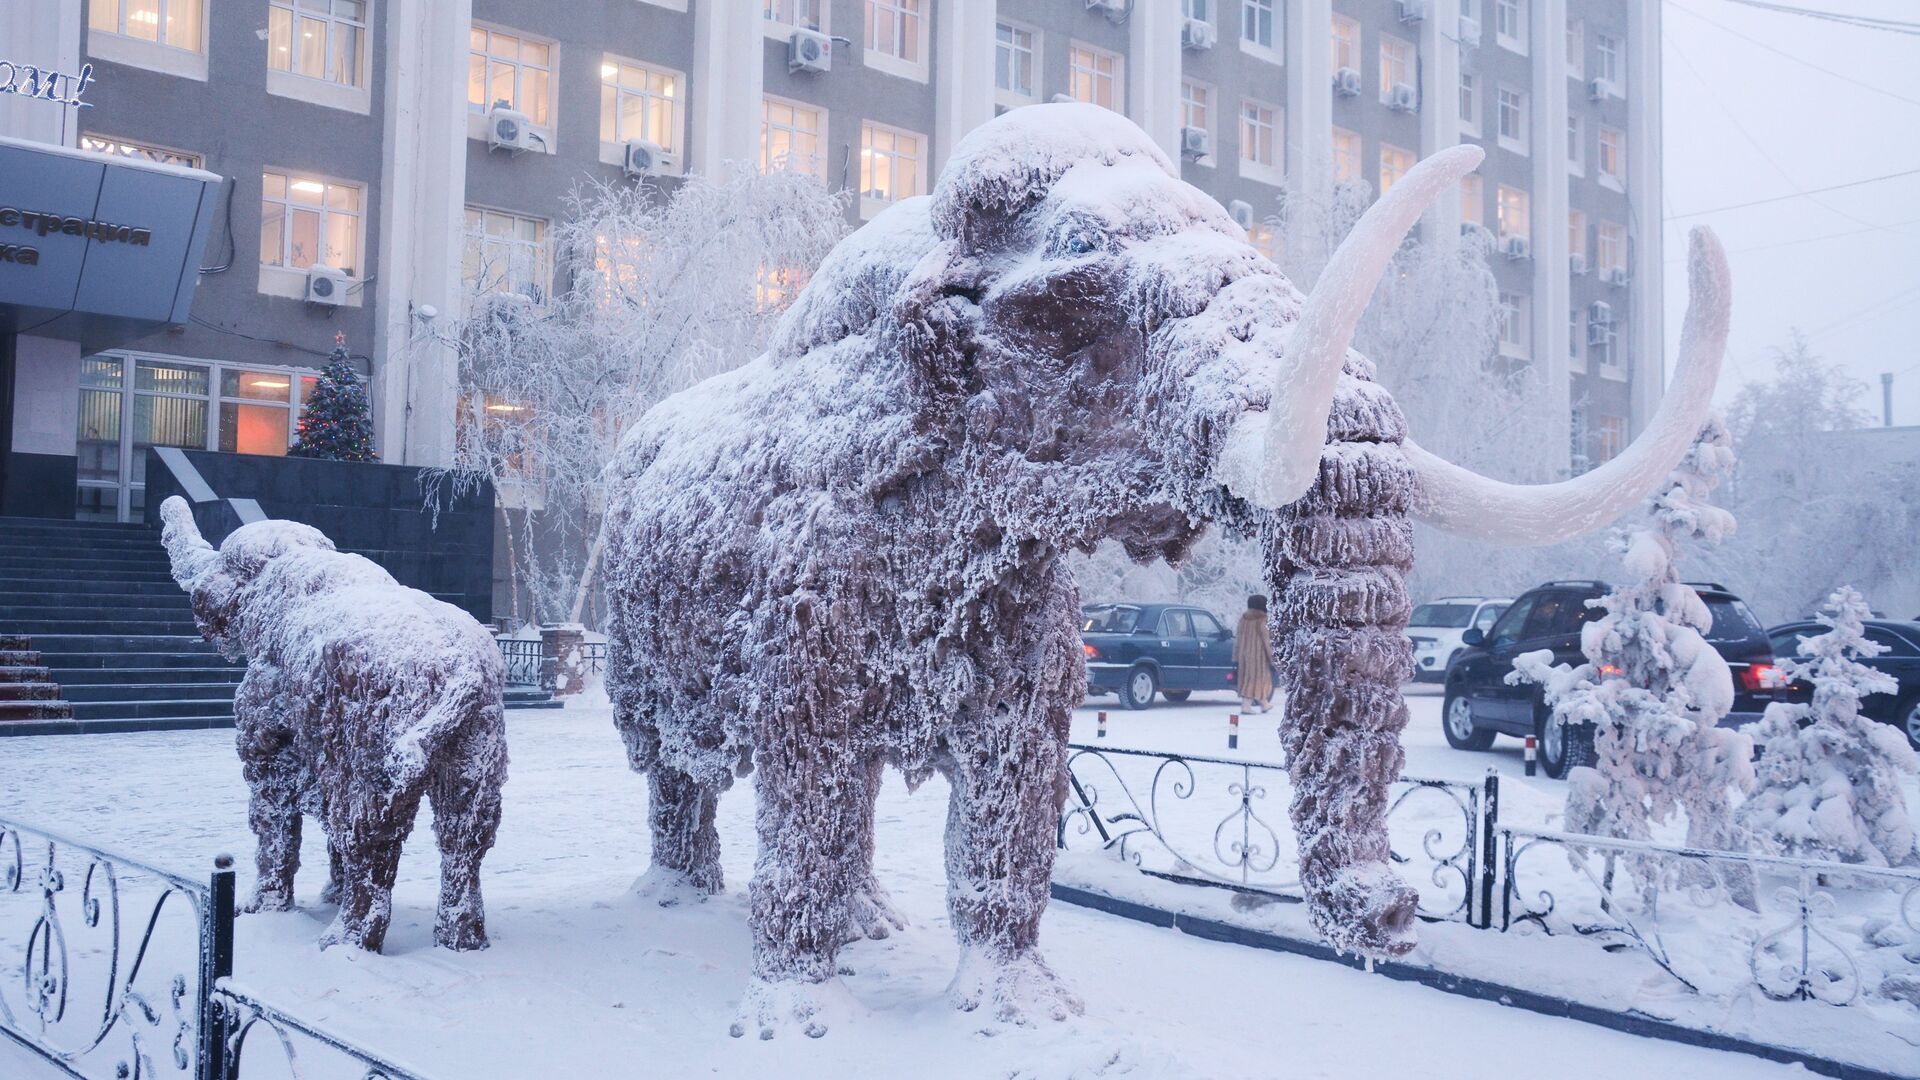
[(1337, 559)]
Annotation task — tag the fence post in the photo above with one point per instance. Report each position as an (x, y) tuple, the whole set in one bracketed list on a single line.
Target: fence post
[(216, 963), (1489, 821)]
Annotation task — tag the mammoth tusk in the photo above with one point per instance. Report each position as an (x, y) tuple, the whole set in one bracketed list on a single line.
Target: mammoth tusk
[(1270, 458), (1459, 501), (188, 552)]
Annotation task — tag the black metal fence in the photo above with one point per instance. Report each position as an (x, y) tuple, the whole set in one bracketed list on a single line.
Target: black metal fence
[(122, 970), (532, 662)]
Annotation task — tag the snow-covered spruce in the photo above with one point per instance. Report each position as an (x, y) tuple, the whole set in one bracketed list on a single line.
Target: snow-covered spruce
[(1653, 691), (1829, 778), (850, 551), (361, 696)]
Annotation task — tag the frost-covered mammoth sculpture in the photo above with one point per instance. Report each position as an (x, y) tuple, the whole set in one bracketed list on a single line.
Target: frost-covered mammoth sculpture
[(360, 697), (850, 552)]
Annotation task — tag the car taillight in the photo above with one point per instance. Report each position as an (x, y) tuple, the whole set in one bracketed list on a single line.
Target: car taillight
[(1763, 677), (1610, 669), (1092, 653)]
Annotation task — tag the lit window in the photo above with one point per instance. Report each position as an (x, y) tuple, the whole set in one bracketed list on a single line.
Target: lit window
[(1265, 239), (507, 254), (1512, 212), (1396, 66), (639, 104), (1576, 48), (1346, 155), (306, 221), (256, 411), (1473, 200), (1196, 108), (895, 29), (1094, 76), (1514, 331), (1577, 237), (1512, 105), (889, 165), (506, 69), (1610, 247), (1258, 24), (1607, 49), (101, 144), (319, 39), (1346, 43), (1613, 155), (800, 13), (1260, 137), (1510, 24), (1014, 62), (1470, 102), (790, 137), (176, 24), (1610, 437), (1576, 147), (1394, 163), (774, 287)]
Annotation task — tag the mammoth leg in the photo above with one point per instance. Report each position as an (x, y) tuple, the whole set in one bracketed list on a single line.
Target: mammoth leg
[(1337, 560), (465, 793), (870, 911), (369, 831), (331, 893), (275, 775), (686, 846)]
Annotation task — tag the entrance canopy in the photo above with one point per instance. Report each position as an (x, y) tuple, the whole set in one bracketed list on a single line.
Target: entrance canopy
[(95, 249)]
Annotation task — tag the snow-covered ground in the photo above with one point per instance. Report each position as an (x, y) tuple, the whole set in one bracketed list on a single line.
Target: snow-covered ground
[(585, 980)]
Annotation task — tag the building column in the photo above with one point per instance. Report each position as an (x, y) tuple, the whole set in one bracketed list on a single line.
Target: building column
[(1552, 284), (727, 84), (46, 34), (1309, 78), (1440, 101), (1153, 73), (1646, 337), (423, 183), (963, 37)]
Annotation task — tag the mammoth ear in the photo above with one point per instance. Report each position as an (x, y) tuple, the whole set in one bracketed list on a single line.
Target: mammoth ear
[(936, 320)]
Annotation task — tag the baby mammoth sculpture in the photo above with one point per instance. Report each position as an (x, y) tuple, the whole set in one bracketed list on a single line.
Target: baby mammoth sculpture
[(360, 697), (851, 552)]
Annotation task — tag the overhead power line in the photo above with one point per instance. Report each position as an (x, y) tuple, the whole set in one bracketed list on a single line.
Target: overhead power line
[(1843, 77), (1864, 22), (1794, 195)]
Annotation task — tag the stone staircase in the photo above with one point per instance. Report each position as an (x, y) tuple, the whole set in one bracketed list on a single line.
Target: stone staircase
[(114, 636), (27, 692)]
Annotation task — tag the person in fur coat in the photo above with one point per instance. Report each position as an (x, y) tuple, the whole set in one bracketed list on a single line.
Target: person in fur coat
[(1253, 657)]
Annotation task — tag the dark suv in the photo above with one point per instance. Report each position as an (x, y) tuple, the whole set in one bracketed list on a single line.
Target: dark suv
[(1480, 704), (1136, 650)]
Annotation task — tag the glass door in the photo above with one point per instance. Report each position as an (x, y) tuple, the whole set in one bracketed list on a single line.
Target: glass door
[(169, 409), (102, 396)]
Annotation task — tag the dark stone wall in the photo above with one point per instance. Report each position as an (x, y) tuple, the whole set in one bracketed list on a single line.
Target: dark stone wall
[(424, 534), (37, 485)]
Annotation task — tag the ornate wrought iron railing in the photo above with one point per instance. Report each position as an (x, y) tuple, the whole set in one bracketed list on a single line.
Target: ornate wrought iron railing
[(532, 662), (1808, 928), (1212, 821), (113, 968), (242, 1014)]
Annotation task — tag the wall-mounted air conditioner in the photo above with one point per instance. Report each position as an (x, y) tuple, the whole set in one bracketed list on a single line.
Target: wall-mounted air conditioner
[(1615, 276), (644, 158), (1346, 82), (509, 129), (327, 285), (1401, 98), (809, 50), (1515, 247), (1195, 142), (1600, 313), (1112, 9), (1412, 10), (1469, 31), (1197, 34), (1599, 90), (1577, 262), (1241, 211)]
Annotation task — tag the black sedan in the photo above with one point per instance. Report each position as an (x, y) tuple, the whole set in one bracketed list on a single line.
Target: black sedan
[(1900, 660), (1137, 650)]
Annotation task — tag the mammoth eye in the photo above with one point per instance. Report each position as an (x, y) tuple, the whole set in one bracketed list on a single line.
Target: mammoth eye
[(1079, 240)]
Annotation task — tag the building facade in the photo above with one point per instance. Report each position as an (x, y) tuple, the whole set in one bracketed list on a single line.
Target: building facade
[(380, 156)]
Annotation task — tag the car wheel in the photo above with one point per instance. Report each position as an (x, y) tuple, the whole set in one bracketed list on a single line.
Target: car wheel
[(1909, 713), (1563, 746), (1176, 696), (1456, 719), (1139, 689)]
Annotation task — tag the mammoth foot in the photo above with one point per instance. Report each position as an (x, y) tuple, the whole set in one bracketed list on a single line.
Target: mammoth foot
[(331, 893), (268, 898), (773, 1007), (358, 934), (871, 914), (461, 930), (1017, 990), (670, 888), (1368, 910)]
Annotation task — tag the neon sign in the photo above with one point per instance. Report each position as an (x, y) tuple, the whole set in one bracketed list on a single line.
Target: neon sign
[(27, 80)]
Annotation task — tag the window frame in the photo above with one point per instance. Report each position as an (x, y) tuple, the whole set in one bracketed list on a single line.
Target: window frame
[(1519, 201), (1407, 58), (1576, 49), (477, 113), (1275, 50), (1577, 337), (612, 146), (1405, 160), (113, 146), (871, 205), (1358, 148), (156, 55), (285, 279), (542, 252), (1076, 50), (1516, 41), (1608, 50), (1517, 144), (1576, 145), (297, 9), (1349, 44), (775, 27), (817, 161), (1274, 170), (891, 63), (1616, 148), (1516, 318), (1034, 49), (1208, 103), (1577, 236), (1473, 193), (1609, 241), (1469, 103)]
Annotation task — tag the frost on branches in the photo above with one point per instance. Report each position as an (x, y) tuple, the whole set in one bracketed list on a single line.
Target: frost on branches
[(1653, 690), (361, 697), (1829, 778)]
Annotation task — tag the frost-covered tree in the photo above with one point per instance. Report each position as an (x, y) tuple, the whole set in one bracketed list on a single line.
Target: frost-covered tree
[(1830, 779), (1645, 707), (1818, 508), (661, 288)]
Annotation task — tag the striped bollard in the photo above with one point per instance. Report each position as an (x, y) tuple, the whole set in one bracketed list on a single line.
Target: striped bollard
[(1233, 731), (1101, 731), (1530, 754)]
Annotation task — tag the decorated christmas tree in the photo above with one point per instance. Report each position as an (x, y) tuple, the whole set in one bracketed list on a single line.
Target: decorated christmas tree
[(337, 423)]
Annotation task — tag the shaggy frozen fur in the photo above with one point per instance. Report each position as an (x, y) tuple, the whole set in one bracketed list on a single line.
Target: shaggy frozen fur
[(361, 696)]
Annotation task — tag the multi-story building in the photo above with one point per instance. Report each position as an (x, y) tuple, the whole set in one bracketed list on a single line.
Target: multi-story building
[(377, 155)]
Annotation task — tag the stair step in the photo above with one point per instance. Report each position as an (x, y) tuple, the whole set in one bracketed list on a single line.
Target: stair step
[(52, 644), (127, 616), (161, 691), (19, 657), (11, 711), (47, 629), (29, 691), (126, 710), (68, 665), (71, 677), (553, 703), (16, 542), (26, 673), (115, 726), (40, 594), (77, 587)]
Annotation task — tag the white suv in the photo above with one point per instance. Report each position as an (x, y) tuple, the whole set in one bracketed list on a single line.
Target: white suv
[(1436, 626)]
